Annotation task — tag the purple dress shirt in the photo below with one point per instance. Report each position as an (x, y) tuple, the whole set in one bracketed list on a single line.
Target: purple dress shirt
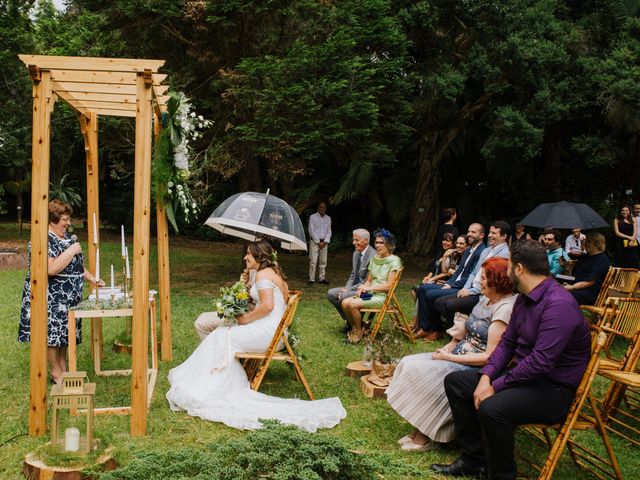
[(548, 336)]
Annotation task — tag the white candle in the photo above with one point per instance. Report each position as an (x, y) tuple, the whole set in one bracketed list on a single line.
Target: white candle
[(97, 264), (72, 439), (112, 287), (122, 240), (128, 272), (95, 230)]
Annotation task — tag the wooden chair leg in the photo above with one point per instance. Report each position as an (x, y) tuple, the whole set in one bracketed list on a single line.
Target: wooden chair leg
[(377, 323), (257, 380), (299, 374)]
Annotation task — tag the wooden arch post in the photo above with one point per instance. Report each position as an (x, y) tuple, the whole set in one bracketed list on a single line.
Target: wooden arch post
[(141, 227), (162, 227), (95, 86), (40, 146)]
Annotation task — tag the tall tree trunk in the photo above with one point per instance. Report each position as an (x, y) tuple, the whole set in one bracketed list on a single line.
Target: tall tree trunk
[(424, 213), (250, 179), (552, 154), (434, 143)]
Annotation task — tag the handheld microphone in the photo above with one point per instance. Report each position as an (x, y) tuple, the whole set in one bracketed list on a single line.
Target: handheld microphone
[(73, 239)]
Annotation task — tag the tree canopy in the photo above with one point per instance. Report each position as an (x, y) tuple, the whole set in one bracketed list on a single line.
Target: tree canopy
[(388, 109)]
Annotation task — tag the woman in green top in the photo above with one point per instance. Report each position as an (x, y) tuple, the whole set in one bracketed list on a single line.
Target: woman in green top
[(371, 294)]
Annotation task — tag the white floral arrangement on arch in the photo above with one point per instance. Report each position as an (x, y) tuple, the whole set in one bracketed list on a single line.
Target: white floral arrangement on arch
[(172, 158)]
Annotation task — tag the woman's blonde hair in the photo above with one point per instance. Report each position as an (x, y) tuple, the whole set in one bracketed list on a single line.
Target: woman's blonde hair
[(58, 208), (266, 257)]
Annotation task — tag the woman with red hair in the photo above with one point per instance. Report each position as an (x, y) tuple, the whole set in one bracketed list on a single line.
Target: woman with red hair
[(417, 389)]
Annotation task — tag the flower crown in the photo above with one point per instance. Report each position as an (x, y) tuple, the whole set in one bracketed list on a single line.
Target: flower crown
[(274, 257)]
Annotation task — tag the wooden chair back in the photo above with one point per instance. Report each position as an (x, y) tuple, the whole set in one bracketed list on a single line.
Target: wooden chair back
[(619, 282), (390, 307), (577, 419), (257, 363), (621, 402)]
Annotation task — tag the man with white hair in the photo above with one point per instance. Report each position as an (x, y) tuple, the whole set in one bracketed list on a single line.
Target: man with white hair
[(361, 256)]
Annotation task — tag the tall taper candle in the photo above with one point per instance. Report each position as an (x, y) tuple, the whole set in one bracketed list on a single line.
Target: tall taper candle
[(122, 238), (95, 230), (128, 272), (97, 263), (112, 285)]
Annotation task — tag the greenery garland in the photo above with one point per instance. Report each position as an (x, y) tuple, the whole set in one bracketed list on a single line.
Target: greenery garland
[(171, 158)]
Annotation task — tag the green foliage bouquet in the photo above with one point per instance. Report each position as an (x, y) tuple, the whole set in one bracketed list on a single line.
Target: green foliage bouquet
[(233, 300), (172, 156)]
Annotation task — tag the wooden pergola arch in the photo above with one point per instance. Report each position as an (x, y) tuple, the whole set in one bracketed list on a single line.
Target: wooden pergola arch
[(93, 87)]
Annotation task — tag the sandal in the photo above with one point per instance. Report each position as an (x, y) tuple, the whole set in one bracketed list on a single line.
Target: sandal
[(355, 337)]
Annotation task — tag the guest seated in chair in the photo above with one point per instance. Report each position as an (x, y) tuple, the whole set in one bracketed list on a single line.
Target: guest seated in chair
[(530, 377), (446, 265), (383, 268), (361, 258), (417, 389), (443, 268), (590, 271), (555, 253), (429, 323)]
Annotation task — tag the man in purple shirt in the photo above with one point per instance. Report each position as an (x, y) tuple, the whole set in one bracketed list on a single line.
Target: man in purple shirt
[(549, 341)]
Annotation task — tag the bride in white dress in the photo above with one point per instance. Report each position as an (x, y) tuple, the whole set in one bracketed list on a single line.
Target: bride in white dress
[(213, 385)]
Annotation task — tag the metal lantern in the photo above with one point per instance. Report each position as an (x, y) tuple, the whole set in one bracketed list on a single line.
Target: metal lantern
[(73, 394)]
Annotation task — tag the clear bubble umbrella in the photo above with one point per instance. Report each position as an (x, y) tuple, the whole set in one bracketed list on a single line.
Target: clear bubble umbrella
[(250, 215)]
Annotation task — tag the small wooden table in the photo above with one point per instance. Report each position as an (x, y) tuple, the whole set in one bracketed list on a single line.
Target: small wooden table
[(96, 348)]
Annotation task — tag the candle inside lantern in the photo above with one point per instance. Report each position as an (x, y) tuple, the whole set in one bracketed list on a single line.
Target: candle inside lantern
[(122, 240), (128, 272), (72, 439), (112, 286), (95, 230)]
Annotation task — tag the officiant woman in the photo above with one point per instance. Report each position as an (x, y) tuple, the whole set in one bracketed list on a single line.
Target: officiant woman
[(66, 275)]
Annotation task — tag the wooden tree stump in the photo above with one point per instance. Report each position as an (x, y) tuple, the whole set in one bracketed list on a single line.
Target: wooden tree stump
[(371, 390), (35, 469), (356, 369)]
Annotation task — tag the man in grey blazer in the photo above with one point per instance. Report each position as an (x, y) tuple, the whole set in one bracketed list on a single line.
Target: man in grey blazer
[(360, 267)]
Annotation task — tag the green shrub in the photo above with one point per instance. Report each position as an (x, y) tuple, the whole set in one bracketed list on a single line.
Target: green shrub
[(276, 452)]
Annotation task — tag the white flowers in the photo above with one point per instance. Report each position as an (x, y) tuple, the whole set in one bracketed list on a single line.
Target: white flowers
[(189, 123)]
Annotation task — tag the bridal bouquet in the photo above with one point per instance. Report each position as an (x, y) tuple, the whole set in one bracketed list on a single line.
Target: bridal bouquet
[(233, 300)]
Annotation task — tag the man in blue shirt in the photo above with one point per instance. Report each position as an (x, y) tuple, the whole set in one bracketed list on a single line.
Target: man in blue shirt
[(550, 341), (556, 255)]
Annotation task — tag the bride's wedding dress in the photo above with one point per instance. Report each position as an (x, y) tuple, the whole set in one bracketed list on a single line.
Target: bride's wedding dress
[(212, 384)]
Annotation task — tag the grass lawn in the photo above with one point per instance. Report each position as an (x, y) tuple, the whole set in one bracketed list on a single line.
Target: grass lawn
[(198, 269)]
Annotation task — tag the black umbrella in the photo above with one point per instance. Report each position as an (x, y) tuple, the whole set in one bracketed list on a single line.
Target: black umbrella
[(564, 215)]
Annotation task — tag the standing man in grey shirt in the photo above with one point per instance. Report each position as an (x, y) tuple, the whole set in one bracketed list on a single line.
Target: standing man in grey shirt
[(320, 236), (550, 341), (360, 268)]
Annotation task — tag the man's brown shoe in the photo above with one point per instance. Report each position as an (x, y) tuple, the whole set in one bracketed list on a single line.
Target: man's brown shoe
[(433, 336), (421, 333)]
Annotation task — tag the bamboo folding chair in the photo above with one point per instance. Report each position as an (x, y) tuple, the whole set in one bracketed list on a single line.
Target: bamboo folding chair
[(623, 319), (256, 364), (621, 403), (619, 282), (390, 307), (578, 418)]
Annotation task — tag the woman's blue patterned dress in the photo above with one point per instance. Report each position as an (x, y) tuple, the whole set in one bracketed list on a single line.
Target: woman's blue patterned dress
[(65, 290)]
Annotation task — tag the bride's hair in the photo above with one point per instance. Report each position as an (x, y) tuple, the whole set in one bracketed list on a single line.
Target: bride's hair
[(266, 256)]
